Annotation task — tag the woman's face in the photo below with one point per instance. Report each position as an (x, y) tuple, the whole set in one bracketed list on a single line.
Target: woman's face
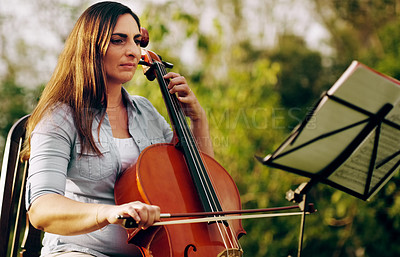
[(123, 53)]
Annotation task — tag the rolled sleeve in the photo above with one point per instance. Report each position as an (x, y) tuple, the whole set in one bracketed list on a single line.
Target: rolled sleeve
[(50, 155)]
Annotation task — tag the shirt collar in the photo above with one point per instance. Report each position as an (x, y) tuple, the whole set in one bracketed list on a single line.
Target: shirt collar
[(130, 101)]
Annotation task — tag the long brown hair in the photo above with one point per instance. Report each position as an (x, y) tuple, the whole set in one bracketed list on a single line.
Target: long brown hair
[(79, 79)]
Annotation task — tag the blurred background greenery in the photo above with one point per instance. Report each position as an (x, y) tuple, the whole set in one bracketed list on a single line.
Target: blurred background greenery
[(257, 67)]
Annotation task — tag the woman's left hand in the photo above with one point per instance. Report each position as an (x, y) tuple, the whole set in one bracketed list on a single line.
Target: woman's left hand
[(190, 104), (192, 108)]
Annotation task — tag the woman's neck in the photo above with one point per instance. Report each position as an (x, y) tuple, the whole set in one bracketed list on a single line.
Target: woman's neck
[(117, 113), (114, 97)]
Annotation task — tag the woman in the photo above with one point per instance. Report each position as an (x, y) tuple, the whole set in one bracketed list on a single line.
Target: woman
[(86, 130)]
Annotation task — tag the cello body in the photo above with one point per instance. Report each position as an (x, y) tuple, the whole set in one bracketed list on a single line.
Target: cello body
[(160, 177)]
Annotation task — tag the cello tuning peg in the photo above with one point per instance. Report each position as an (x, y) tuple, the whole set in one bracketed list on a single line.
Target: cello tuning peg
[(145, 37)]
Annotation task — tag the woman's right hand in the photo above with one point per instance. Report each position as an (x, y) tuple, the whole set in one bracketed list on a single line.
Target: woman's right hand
[(144, 214)]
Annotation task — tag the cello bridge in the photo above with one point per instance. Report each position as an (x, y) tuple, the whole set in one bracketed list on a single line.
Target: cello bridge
[(231, 253)]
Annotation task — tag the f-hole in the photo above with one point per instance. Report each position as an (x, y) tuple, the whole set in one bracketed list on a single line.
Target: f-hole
[(187, 249)]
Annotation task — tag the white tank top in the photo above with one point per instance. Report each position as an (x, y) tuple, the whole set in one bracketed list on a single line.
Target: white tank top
[(128, 150)]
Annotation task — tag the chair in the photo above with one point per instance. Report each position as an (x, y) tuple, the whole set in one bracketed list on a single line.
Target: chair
[(17, 236)]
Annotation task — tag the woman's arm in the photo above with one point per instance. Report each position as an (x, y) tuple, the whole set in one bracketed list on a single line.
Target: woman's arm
[(57, 214), (48, 208), (201, 132)]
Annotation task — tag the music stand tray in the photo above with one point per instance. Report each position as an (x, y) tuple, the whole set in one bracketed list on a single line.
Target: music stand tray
[(351, 138)]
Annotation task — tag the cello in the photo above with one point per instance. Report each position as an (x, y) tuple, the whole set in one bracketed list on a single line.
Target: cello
[(179, 178)]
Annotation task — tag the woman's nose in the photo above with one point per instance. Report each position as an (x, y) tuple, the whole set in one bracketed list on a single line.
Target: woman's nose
[(133, 49)]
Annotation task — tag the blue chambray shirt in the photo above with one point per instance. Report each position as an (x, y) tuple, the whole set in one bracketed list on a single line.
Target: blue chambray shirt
[(55, 167)]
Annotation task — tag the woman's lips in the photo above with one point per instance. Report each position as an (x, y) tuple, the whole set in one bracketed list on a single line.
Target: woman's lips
[(128, 65)]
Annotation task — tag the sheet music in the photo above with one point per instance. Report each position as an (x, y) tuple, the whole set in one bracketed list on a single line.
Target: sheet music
[(353, 173)]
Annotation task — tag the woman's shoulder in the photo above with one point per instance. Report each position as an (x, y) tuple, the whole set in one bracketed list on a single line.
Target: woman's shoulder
[(61, 111), (57, 116)]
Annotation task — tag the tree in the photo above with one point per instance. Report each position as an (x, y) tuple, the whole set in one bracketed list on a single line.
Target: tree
[(355, 27), (301, 78)]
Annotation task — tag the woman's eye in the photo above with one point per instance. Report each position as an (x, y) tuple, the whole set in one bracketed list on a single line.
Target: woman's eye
[(137, 41), (117, 41)]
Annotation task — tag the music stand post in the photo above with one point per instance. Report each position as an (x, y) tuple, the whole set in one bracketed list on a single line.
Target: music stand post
[(300, 198)]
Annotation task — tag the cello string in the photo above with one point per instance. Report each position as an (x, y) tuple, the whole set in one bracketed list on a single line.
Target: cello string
[(236, 242), (181, 120), (218, 224), (225, 232), (207, 179), (193, 149), (189, 143), (189, 138), (195, 153)]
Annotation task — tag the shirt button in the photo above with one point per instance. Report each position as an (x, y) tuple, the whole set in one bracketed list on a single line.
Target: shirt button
[(138, 141)]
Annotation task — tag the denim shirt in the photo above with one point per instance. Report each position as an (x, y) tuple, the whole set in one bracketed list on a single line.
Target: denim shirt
[(58, 165)]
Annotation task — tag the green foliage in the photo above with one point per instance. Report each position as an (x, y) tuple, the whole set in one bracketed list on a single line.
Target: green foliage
[(300, 79), (14, 103), (390, 38)]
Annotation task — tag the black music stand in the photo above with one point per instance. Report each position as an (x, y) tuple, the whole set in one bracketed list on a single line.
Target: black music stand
[(350, 140)]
